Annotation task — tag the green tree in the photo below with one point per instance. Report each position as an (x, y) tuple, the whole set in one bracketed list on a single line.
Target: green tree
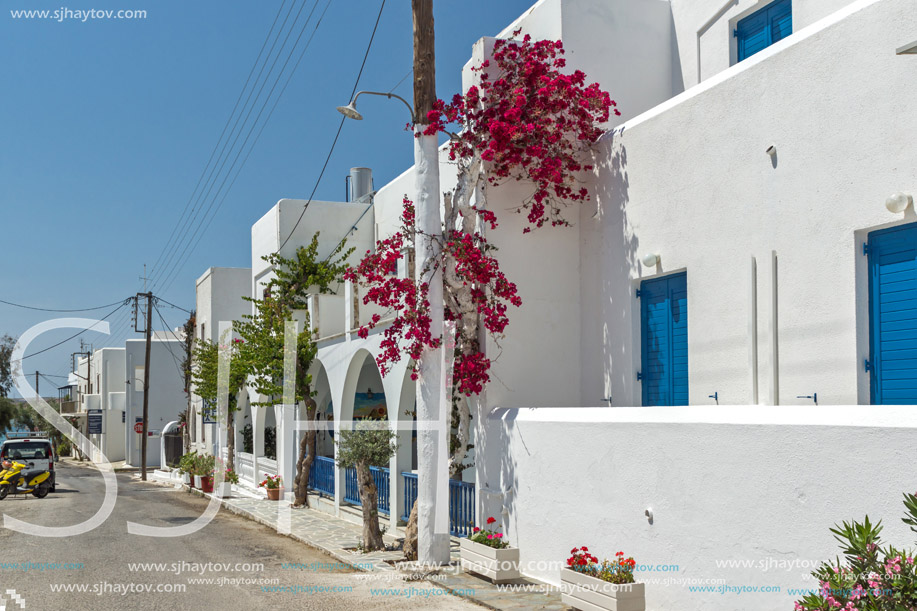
[(25, 416), (6, 371), (203, 374), (295, 279), (187, 367), (370, 444)]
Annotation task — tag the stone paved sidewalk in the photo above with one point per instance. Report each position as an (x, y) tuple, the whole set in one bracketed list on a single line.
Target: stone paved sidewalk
[(338, 537)]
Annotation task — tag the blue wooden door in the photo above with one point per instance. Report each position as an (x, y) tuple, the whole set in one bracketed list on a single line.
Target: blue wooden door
[(763, 28), (664, 328), (893, 315)]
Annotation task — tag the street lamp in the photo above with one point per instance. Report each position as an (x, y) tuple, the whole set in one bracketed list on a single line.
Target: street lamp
[(350, 111)]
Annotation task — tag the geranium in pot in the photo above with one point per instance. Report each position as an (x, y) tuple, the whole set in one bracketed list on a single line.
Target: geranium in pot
[(205, 469), (274, 486), (230, 477), (588, 585), (186, 467), (488, 553)]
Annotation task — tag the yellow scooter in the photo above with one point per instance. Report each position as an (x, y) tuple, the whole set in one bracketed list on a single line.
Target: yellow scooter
[(14, 481)]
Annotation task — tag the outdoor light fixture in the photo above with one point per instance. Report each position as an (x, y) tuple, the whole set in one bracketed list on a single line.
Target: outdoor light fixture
[(910, 49), (898, 202), (350, 111), (771, 150), (650, 260)]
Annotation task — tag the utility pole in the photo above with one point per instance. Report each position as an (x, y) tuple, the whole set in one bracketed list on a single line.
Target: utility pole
[(37, 393), (432, 546), (146, 381)]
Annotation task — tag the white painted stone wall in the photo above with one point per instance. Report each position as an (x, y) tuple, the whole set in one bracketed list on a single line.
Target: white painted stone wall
[(725, 484), (690, 180)]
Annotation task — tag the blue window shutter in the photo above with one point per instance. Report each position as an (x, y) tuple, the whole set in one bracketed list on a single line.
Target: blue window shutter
[(893, 315), (763, 28), (664, 330)]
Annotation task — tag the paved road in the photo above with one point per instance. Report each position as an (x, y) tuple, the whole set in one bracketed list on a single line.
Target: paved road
[(102, 562)]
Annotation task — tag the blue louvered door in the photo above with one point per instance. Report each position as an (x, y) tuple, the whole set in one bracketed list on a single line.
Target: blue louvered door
[(664, 342), (893, 315), (763, 28)]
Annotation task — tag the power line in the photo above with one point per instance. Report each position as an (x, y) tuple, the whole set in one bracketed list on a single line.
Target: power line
[(338, 134), (198, 234), (173, 305), (102, 307), (75, 335), (410, 72), (165, 248)]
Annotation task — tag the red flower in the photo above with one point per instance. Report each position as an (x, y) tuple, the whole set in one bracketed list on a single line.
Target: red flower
[(476, 529), (491, 520)]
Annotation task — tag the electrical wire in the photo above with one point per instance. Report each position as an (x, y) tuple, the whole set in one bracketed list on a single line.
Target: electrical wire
[(102, 307), (338, 134), (165, 248), (75, 335), (198, 234), (173, 305)]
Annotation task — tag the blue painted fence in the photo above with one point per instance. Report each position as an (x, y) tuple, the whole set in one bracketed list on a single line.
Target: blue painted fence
[(461, 503), (321, 476), (352, 490)]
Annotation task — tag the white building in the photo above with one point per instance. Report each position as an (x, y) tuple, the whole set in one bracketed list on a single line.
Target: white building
[(220, 296), (715, 291), (101, 388), (167, 398)]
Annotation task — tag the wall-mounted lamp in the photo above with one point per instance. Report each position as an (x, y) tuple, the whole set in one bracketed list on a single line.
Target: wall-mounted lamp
[(771, 150), (898, 202), (650, 260)]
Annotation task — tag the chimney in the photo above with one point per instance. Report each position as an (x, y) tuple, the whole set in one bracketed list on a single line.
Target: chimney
[(361, 185)]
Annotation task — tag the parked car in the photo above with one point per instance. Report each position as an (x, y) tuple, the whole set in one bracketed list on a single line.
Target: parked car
[(33, 447)]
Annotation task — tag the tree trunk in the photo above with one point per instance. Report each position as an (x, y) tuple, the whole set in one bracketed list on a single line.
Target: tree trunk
[(410, 535), (372, 534), (230, 444), (305, 458)]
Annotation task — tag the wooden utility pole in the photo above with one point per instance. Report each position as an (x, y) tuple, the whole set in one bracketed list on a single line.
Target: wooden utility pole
[(146, 382), (424, 60)]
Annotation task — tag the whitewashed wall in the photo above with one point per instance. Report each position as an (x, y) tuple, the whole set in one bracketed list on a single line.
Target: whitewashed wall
[(690, 180), (725, 484)]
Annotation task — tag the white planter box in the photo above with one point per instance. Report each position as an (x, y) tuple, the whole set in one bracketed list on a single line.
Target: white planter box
[(197, 482), (500, 565), (186, 478), (592, 594), (225, 489)]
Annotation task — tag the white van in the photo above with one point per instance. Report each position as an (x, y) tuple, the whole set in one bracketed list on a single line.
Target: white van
[(32, 448)]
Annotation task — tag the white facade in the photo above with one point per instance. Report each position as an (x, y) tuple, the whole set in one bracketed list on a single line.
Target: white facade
[(220, 294), (777, 293), (101, 386), (167, 396)]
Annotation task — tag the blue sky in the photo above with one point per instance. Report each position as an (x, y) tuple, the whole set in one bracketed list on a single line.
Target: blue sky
[(107, 126)]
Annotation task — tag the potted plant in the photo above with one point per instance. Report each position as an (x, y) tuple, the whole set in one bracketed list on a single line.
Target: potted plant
[(488, 553), (274, 486), (230, 477), (186, 468), (205, 469), (586, 584)]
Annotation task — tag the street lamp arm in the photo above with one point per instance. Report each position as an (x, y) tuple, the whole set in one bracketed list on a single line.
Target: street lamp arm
[(389, 96)]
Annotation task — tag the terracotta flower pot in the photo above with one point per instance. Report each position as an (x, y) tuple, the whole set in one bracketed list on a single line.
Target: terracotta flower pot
[(274, 494), (207, 483)]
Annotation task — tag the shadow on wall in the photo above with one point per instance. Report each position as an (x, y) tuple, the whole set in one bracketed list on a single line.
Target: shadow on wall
[(616, 265)]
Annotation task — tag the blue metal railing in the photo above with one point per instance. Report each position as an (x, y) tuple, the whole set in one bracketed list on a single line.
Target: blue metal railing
[(321, 475), (461, 503), (380, 477)]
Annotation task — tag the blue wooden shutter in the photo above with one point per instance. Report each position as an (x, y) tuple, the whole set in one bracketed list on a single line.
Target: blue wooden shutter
[(664, 324), (893, 315), (763, 28)]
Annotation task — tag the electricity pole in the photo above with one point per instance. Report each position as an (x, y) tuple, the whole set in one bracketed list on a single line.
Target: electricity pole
[(432, 546), (37, 393), (146, 381)]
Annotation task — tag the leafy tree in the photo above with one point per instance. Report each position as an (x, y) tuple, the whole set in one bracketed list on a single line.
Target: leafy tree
[(295, 280), (370, 444), (24, 416), (6, 373), (203, 373), (187, 364)]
